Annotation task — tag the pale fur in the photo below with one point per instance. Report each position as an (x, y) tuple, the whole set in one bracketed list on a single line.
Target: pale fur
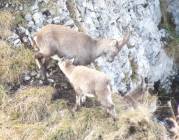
[(65, 42), (88, 82)]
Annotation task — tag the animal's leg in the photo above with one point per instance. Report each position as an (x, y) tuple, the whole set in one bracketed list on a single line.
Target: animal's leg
[(43, 71), (78, 99), (83, 99), (111, 110), (38, 57), (78, 103), (106, 102), (38, 63), (41, 63)]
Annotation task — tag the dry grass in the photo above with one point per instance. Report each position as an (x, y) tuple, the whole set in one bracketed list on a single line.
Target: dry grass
[(6, 19), (29, 105), (13, 62), (40, 118), (3, 95)]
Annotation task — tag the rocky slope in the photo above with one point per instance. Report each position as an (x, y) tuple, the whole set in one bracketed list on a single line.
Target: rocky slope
[(144, 55), (35, 111)]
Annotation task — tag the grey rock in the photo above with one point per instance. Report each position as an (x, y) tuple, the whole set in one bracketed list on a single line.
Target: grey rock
[(22, 29), (25, 39), (7, 5), (56, 20), (14, 40), (31, 24), (49, 21), (33, 73), (21, 8), (38, 76), (69, 23), (28, 17), (27, 78), (40, 82), (35, 7), (38, 19), (17, 43), (51, 81)]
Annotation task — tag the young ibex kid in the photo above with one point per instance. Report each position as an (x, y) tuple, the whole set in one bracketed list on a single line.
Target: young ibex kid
[(88, 82)]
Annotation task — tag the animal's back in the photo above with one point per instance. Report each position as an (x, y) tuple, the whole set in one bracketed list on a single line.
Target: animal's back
[(67, 42), (89, 79), (63, 34)]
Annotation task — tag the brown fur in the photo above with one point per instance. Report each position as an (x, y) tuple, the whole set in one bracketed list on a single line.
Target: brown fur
[(88, 82), (65, 42)]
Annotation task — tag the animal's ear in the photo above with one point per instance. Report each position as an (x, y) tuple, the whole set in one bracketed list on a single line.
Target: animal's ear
[(56, 57), (113, 42), (69, 62), (72, 60)]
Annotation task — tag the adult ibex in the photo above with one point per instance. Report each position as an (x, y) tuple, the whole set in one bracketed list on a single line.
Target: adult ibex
[(88, 82), (65, 42)]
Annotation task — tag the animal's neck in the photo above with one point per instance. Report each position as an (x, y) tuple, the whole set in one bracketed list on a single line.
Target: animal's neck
[(100, 48), (67, 70)]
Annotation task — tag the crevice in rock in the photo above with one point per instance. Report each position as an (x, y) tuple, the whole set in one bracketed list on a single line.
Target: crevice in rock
[(74, 14)]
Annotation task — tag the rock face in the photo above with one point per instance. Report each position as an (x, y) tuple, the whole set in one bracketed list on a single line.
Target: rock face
[(146, 57), (142, 56)]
